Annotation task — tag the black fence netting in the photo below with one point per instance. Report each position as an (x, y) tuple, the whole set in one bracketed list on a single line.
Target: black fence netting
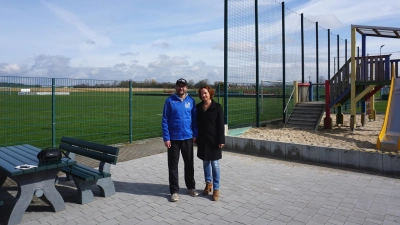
[(269, 47)]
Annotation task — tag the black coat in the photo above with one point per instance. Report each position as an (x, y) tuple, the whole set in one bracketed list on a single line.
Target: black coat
[(211, 131)]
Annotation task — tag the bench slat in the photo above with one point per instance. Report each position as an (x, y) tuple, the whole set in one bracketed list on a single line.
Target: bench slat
[(13, 160), (84, 167), (28, 153), (14, 156), (9, 168), (28, 150), (85, 144), (78, 174), (90, 171), (88, 153)]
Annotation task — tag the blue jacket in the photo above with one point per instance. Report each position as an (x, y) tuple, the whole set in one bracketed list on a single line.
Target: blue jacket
[(179, 118)]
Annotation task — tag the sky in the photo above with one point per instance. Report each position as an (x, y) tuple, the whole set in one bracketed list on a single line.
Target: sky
[(141, 39)]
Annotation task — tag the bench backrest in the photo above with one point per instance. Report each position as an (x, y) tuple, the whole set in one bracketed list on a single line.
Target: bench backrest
[(92, 150)]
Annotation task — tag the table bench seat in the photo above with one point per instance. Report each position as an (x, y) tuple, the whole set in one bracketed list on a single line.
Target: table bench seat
[(84, 176), (85, 173)]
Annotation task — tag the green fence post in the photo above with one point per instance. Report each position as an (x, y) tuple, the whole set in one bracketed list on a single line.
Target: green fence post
[(283, 63), (53, 112), (257, 67), (317, 60), (302, 48), (226, 61), (130, 111)]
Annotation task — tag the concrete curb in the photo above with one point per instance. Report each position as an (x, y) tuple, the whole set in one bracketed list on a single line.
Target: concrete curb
[(376, 161)]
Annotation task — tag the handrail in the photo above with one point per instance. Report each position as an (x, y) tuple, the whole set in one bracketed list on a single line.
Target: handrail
[(290, 97), (289, 100), (341, 69), (356, 58)]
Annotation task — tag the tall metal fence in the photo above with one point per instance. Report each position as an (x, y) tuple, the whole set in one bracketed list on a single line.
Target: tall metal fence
[(268, 41), (39, 111)]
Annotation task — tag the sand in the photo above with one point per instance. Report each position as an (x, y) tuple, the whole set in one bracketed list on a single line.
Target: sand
[(362, 138)]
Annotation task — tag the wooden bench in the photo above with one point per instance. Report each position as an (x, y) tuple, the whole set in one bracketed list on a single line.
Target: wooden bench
[(84, 176)]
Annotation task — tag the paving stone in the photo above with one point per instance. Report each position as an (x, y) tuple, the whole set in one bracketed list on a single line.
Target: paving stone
[(255, 190)]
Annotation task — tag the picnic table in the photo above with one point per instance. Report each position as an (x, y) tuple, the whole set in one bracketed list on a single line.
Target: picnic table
[(38, 180)]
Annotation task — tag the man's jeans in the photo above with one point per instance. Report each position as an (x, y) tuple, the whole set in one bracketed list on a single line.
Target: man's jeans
[(212, 165)]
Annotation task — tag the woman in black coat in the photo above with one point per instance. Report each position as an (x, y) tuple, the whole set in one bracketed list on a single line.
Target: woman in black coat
[(210, 139)]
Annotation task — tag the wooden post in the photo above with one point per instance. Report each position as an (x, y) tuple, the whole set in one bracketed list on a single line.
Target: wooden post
[(327, 119), (353, 80)]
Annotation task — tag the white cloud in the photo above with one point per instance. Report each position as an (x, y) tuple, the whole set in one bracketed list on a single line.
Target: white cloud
[(339, 13), (68, 17), (138, 39), (9, 69), (165, 61)]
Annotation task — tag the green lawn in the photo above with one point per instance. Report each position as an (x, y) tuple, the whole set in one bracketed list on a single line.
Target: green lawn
[(103, 117)]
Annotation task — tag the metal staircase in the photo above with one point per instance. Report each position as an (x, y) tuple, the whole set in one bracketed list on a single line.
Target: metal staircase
[(306, 116)]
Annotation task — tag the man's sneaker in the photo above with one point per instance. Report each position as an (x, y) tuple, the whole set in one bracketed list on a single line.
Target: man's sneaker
[(193, 192), (174, 197)]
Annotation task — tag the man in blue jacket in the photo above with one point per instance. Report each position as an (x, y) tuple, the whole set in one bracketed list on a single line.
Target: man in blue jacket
[(179, 128)]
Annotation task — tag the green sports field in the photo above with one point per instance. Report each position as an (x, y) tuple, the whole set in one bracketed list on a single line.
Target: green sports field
[(104, 117)]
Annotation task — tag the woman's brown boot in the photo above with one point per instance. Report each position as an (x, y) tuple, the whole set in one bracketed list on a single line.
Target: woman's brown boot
[(215, 196), (207, 189)]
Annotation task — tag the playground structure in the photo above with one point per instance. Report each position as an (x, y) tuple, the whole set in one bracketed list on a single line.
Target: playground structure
[(360, 78)]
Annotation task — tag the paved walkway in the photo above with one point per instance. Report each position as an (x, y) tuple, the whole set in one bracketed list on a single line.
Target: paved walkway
[(254, 190)]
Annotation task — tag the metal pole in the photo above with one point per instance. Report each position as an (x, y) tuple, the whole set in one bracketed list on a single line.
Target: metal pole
[(317, 60), (302, 48), (283, 64), (226, 62), (257, 67), (130, 112), (345, 56), (53, 112), (329, 54), (338, 60)]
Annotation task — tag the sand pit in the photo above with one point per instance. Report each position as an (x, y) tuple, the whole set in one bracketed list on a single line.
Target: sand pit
[(362, 138)]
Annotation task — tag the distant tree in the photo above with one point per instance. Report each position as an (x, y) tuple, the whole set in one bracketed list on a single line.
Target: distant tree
[(153, 83), (220, 84), (124, 83), (202, 83), (190, 83)]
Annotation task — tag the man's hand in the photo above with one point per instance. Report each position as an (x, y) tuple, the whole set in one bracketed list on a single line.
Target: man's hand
[(194, 140), (167, 144), (221, 145)]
